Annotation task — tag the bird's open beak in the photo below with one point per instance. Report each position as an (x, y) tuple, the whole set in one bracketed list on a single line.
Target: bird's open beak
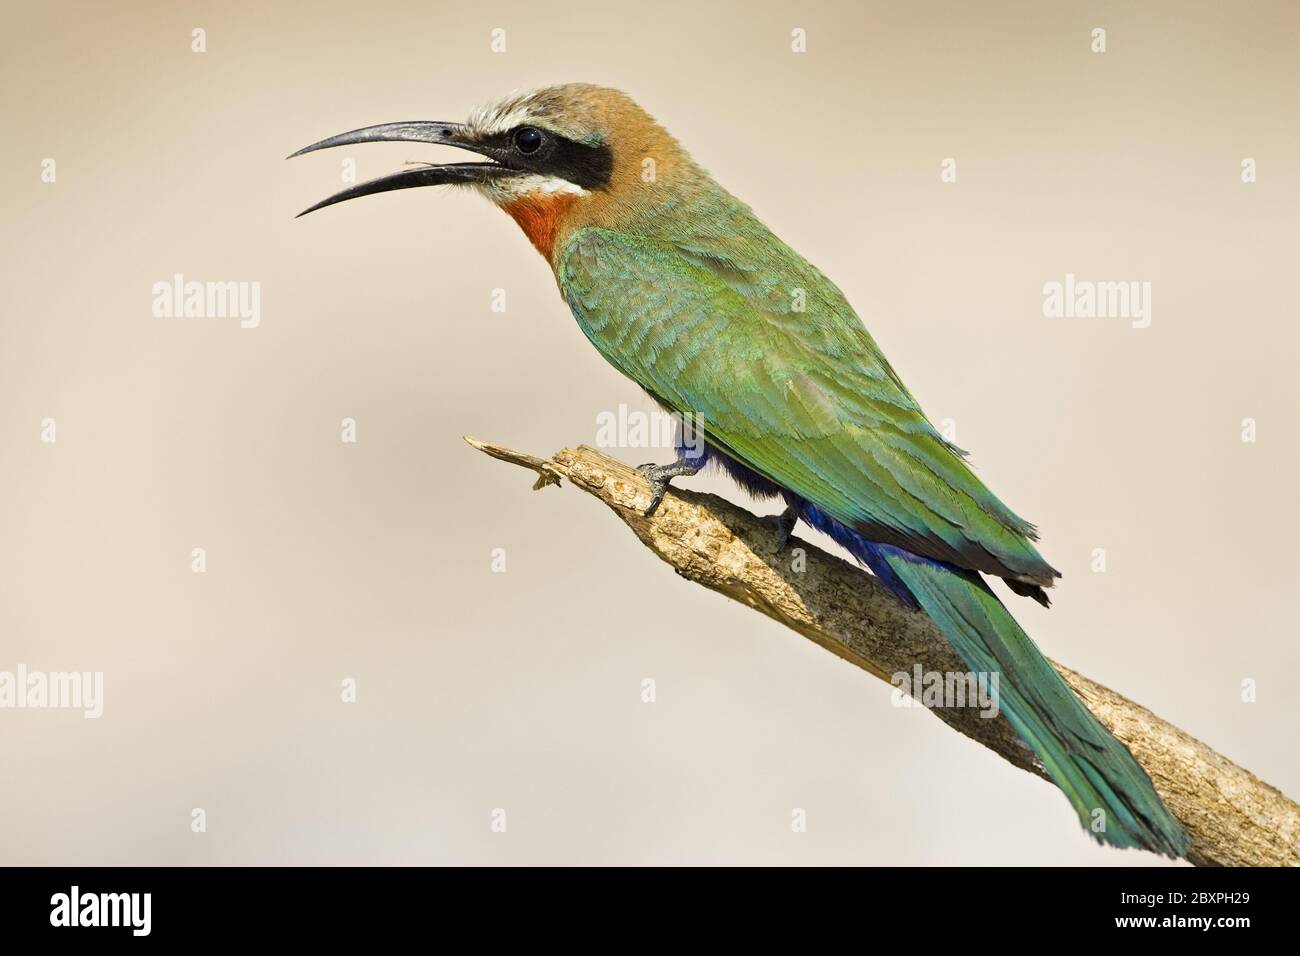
[(448, 134)]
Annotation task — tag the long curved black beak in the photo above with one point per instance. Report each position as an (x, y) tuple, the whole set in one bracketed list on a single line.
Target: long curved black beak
[(419, 131)]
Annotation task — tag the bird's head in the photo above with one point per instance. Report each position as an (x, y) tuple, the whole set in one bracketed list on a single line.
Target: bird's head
[(557, 158)]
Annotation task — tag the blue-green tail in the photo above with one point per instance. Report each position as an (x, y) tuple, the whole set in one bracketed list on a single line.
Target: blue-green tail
[(1110, 792), (1112, 795)]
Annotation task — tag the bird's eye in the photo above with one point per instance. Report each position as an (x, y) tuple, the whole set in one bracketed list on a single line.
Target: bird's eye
[(528, 139)]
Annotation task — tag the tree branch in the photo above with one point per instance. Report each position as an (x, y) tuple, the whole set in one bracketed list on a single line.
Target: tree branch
[(1233, 817)]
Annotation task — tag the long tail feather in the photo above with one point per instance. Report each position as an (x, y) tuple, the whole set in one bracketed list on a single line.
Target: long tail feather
[(1111, 793)]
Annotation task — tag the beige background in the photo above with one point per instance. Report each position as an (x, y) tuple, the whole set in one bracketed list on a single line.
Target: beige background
[(372, 561)]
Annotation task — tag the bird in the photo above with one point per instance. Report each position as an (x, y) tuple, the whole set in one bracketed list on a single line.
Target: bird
[(684, 290)]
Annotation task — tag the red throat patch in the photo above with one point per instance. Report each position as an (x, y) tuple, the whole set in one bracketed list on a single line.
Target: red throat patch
[(540, 217)]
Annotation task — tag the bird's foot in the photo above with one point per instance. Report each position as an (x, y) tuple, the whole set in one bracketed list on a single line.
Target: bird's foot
[(660, 475), (785, 523)]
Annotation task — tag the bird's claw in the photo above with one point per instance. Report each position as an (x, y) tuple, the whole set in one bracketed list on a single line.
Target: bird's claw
[(785, 523), (660, 475), (658, 485)]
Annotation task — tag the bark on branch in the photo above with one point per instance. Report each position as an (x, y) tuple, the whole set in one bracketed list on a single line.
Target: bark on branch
[(1233, 817)]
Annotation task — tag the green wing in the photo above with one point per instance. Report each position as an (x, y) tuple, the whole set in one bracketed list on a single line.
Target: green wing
[(765, 350)]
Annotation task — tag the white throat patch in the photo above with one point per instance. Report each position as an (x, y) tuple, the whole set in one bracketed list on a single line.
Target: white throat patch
[(507, 189)]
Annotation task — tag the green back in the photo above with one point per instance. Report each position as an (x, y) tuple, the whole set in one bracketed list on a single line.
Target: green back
[(728, 323)]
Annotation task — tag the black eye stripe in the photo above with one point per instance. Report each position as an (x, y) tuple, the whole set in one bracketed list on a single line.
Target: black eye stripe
[(579, 163), (586, 166)]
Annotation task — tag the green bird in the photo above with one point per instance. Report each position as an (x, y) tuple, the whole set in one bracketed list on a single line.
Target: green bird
[(683, 289)]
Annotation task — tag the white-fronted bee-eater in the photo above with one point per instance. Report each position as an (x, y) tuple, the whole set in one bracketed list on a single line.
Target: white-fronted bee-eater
[(683, 289)]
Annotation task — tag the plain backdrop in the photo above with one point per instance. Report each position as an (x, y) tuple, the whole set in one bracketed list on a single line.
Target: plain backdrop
[(372, 561)]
